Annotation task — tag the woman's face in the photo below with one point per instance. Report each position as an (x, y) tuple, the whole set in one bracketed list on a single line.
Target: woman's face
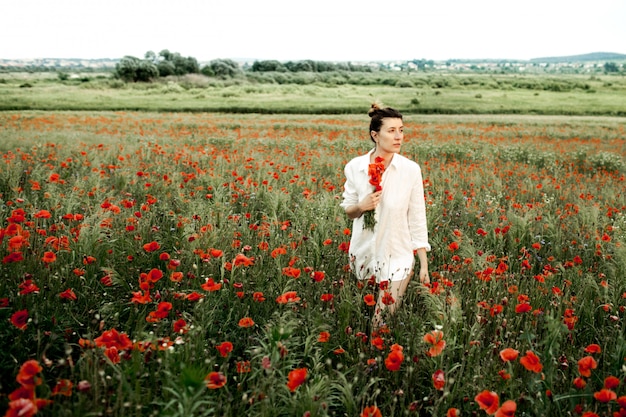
[(390, 137)]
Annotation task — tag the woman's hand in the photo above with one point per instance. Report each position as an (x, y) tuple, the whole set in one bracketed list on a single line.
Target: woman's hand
[(370, 201)]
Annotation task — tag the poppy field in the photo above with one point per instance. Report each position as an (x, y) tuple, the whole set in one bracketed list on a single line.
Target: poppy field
[(184, 264)]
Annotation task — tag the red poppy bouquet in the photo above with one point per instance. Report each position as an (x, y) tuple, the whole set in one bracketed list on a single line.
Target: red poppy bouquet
[(375, 172)]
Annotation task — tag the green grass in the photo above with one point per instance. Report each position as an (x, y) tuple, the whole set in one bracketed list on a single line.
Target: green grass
[(430, 94)]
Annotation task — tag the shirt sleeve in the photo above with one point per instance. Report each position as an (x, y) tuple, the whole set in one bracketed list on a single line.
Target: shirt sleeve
[(418, 226), (350, 195)]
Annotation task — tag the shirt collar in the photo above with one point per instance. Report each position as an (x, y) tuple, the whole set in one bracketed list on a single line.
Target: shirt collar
[(365, 161)]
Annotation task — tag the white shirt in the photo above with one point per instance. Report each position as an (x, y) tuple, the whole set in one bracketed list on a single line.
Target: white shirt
[(387, 251)]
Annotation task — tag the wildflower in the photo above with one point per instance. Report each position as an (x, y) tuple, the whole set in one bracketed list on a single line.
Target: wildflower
[(378, 342), (323, 337), (162, 311), (488, 401), (246, 322), (215, 380), (508, 354), (20, 319), (435, 338), (327, 297), (453, 246), (369, 300), (28, 287), (49, 257), (112, 338), (531, 362), (180, 326), (611, 382), (507, 409), (63, 387), (394, 359), (68, 295), (242, 259), (579, 383), (288, 297), (439, 380), (151, 246), (453, 412), (113, 354), (291, 272), (371, 411), (375, 173), (27, 376), (225, 348), (388, 298), (210, 285), (593, 348), (586, 364), (605, 395), (318, 276), (296, 378), (258, 297)]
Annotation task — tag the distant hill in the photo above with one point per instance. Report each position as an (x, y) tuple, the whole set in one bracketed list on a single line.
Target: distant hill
[(595, 56)]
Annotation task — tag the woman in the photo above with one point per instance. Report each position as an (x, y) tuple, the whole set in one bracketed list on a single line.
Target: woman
[(387, 250)]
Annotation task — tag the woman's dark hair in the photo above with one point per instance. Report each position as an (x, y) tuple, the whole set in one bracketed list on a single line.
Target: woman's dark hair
[(377, 114)]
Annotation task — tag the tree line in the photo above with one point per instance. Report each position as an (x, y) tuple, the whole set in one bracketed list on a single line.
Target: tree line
[(166, 63)]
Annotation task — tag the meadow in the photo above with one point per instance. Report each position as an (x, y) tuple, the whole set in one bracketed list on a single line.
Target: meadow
[(194, 264), (323, 93)]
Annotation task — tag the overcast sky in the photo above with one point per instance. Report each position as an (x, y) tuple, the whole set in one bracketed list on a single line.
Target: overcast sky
[(323, 30)]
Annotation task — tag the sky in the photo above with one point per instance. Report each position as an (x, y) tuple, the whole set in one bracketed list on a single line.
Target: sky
[(321, 30)]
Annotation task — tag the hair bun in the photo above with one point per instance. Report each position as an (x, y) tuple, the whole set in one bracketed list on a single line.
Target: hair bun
[(375, 108)]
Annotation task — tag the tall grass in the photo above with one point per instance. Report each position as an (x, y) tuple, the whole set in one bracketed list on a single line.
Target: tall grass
[(235, 219)]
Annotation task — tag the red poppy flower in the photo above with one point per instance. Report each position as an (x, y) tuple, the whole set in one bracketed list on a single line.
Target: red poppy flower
[(63, 387), (378, 342), (327, 297), (611, 382), (258, 297), (180, 326), (435, 338), (242, 259), (371, 411), (68, 295), (531, 362), (586, 364), (27, 376), (225, 348), (296, 378), (288, 297), (151, 246), (593, 348), (605, 395), (388, 298), (111, 338), (394, 359), (318, 276), (20, 319), (210, 285), (113, 354), (523, 308), (453, 412), (439, 380), (323, 337), (246, 322), (488, 401), (507, 409), (579, 383), (291, 272), (369, 300), (508, 354), (215, 380)]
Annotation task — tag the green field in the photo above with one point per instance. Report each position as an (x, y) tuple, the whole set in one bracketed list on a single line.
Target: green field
[(416, 93)]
